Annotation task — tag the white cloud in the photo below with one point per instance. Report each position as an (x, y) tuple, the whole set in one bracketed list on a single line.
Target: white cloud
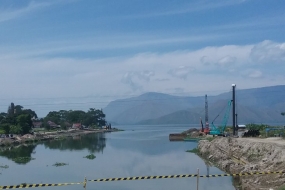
[(252, 73), (226, 61), (133, 79), (115, 77), (181, 72), (268, 52)]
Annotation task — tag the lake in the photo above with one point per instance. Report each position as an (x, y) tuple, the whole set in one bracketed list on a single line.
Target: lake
[(137, 151)]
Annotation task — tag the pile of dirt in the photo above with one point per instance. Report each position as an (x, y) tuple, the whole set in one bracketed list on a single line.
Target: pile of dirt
[(189, 131), (235, 155)]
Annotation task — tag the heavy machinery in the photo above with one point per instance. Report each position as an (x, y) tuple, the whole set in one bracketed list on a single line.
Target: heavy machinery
[(221, 129), (204, 130)]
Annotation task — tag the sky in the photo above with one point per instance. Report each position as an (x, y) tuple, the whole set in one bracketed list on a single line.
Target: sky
[(77, 54)]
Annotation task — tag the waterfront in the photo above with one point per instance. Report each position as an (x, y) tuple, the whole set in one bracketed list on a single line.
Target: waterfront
[(137, 151)]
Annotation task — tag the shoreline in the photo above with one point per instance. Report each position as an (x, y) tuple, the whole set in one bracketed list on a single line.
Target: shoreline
[(240, 155), (54, 135)]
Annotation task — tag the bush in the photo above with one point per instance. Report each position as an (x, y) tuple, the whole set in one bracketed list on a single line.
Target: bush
[(90, 156), (195, 150)]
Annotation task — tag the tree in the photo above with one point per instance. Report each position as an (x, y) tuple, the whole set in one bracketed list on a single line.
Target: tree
[(3, 115), (76, 116), (30, 112), (24, 121), (15, 129), (5, 127)]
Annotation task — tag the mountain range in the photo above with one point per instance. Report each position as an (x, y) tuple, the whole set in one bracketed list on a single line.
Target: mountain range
[(256, 105)]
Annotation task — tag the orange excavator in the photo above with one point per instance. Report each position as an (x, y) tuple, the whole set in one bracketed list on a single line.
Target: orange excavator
[(205, 130)]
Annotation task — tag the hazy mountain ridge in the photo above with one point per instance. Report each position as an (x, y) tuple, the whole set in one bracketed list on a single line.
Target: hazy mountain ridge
[(258, 105)]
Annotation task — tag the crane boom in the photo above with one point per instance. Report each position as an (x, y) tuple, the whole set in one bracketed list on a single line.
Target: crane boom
[(220, 130)]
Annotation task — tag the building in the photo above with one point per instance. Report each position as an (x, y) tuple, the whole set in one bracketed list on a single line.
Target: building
[(76, 126)]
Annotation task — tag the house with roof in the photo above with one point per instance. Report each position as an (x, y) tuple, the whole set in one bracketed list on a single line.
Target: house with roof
[(76, 126), (53, 125), (37, 124)]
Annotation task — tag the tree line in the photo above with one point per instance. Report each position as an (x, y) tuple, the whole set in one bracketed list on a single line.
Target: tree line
[(18, 120)]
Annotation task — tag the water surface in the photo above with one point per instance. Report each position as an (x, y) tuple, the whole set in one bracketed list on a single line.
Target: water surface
[(137, 151)]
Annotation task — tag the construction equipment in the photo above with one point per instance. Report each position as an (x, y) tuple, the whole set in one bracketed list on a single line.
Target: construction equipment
[(207, 128), (202, 126), (204, 130), (221, 129)]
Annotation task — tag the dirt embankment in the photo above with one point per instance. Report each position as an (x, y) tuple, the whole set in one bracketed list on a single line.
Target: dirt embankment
[(235, 155)]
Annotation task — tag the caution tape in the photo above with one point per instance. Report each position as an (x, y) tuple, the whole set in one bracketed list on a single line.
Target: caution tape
[(37, 185), (183, 176), (139, 178)]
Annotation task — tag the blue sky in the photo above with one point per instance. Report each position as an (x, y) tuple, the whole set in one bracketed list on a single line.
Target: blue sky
[(78, 54)]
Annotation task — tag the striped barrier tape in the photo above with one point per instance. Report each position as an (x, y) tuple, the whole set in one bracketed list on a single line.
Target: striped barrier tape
[(184, 176), (138, 178), (38, 185)]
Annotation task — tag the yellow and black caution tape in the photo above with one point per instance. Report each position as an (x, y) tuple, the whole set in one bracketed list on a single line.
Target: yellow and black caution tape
[(38, 185), (183, 176), (138, 178)]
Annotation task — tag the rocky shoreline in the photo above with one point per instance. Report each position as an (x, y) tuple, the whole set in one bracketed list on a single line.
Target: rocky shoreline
[(43, 136), (239, 155)]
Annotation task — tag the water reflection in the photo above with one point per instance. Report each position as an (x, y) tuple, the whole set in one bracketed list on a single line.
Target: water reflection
[(23, 154), (145, 151), (92, 142), (20, 155)]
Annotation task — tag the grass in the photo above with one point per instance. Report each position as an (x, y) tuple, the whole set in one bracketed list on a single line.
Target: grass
[(210, 138), (90, 156), (195, 150), (282, 187), (57, 164)]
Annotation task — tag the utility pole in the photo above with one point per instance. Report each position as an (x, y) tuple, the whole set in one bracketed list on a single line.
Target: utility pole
[(206, 113), (236, 124), (234, 109)]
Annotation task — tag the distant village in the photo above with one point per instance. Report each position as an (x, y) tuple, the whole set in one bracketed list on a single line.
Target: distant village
[(18, 120)]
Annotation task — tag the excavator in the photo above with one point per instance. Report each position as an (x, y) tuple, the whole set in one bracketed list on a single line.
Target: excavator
[(219, 131), (205, 130)]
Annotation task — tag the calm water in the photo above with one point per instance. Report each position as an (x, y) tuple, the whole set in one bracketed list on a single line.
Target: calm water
[(138, 151)]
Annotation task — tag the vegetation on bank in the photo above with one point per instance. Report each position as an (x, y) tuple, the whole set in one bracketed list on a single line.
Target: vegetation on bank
[(57, 164), (272, 130), (90, 156), (22, 121), (195, 151)]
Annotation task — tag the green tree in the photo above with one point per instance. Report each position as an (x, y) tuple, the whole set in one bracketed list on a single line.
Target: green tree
[(15, 129), (95, 118), (30, 112), (76, 116), (24, 121), (5, 127)]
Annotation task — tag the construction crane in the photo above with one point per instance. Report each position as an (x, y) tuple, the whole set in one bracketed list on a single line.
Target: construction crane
[(221, 129), (205, 130)]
